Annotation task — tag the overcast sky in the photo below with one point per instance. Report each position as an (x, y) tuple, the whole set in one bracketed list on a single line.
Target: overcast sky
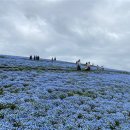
[(92, 30)]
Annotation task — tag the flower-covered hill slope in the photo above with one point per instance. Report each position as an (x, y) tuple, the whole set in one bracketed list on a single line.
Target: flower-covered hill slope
[(41, 95)]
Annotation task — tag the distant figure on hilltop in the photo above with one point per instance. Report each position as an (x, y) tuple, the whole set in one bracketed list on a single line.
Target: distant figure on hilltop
[(34, 58), (55, 59), (78, 65), (88, 66), (100, 68), (30, 57), (37, 58), (52, 59)]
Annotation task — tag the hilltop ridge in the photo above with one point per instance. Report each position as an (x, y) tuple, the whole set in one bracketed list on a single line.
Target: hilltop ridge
[(45, 64)]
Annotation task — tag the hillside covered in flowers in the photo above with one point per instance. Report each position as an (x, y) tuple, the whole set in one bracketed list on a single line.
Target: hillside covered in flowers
[(46, 95)]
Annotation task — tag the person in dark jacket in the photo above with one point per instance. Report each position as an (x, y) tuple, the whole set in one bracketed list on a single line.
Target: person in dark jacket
[(30, 57), (34, 58), (55, 59), (78, 65)]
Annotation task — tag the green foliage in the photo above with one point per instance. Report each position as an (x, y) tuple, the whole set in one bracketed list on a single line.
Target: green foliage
[(62, 96), (81, 93), (70, 94), (7, 86), (117, 123), (11, 106), (25, 84), (1, 91), (112, 127), (98, 117), (80, 116), (14, 90), (2, 57), (17, 124), (50, 90), (29, 100), (1, 116), (8, 105)]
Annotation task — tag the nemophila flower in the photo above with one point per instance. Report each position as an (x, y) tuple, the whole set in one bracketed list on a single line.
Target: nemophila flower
[(54, 100)]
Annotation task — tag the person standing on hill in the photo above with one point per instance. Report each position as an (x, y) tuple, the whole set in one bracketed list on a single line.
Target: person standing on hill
[(55, 59), (52, 59), (38, 58), (34, 57), (31, 57), (88, 66), (78, 65)]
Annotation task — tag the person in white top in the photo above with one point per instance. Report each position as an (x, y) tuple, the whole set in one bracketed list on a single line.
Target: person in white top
[(88, 66)]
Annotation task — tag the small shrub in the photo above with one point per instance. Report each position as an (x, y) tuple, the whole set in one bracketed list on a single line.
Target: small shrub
[(14, 90), (69, 127), (70, 94), (29, 100), (12, 106), (54, 122), (62, 96), (80, 116), (50, 90), (25, 84), (1, 116), (112, 127), (2, 56), (4, 77), (79, 93), (98, 117), (7, 86), (47, 107), (8, 105), (40, 114), (117, 123), (129, 114), (1, 91), (2, 106), (17, 124)]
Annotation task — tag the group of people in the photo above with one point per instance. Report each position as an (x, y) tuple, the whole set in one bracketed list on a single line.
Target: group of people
[(35, 57), (78, 63), (100, 68), (87, 66), (53, 59)]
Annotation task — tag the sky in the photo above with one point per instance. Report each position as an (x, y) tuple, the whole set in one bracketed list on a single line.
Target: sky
[(90, 30)]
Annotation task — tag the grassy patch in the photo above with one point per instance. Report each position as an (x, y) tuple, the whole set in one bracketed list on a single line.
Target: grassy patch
[(26, 84), (2, 57), (70, 94), (62, 96), (17, 124), (1, 116), (50, 90), (83, 93), (7, 86), (3, 76), (1, 91), (80, 116), (29, 100), (8, 105), (117, 123), (14, 90)]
